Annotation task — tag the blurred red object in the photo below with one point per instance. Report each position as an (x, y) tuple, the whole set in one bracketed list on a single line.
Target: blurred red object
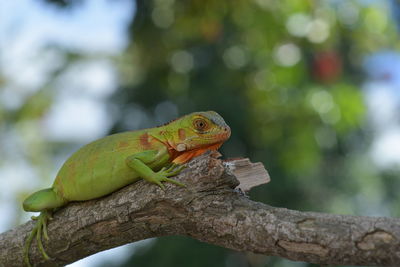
[(327, 66)]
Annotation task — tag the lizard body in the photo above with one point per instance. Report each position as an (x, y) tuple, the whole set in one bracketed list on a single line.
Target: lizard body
[(105, 165)]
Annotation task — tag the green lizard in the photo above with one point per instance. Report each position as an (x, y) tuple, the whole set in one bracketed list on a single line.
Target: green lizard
[(107, 164)]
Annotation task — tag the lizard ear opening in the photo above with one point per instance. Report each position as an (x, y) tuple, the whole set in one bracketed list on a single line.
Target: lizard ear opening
[(181, 147)]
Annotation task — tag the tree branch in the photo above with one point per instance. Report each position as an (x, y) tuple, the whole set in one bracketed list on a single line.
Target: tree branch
[(211, 211)]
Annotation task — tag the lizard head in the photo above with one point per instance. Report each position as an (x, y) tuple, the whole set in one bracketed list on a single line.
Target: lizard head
[(198, 131)]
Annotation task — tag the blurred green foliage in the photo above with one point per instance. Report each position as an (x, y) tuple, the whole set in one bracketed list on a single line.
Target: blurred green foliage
[(286, 77)]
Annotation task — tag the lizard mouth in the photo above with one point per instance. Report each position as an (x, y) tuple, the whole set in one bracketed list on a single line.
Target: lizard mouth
[(182, 152), (211, 142), (219, 137), (199, 144)]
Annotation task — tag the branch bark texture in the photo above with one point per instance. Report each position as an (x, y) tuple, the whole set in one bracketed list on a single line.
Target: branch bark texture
[(210, 210)]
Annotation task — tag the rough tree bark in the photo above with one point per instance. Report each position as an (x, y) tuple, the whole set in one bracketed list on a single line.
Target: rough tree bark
[(211, 211)]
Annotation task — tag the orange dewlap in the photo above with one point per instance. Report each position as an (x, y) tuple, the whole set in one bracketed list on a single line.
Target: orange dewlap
[(188, 155)]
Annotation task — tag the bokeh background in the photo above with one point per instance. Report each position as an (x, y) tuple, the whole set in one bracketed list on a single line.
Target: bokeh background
[(309, 88)]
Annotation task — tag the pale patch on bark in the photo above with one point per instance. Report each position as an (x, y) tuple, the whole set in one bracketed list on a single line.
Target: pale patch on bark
[(306, 248), (371, 240)]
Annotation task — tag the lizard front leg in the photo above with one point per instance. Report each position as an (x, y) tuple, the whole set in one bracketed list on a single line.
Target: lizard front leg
[(140, 164)]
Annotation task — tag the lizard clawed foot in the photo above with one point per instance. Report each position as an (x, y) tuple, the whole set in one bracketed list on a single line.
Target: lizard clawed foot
[(38, 229), (172, 170), (163, 174)]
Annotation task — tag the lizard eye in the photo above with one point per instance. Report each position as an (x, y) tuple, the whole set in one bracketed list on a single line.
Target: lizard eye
[(200, 124)]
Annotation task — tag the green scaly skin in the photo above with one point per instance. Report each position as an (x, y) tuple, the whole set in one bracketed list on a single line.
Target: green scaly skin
[(112, 162)]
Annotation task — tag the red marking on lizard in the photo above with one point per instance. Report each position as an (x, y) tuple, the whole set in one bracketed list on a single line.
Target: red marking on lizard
[(181, 134), (144, 141)]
